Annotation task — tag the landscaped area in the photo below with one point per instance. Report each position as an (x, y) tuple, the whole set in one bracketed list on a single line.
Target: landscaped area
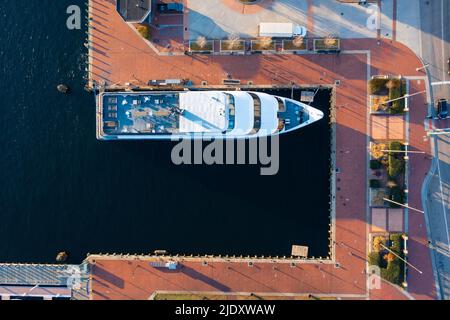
[(144, 31), (387, 173), (232, 45), (327, 44), (391, 267), (265, 44), (383, 94), (295, 44), (201, 45)]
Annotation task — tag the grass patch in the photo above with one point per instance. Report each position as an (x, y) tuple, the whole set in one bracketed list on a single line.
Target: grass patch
[(378, 86), (391, 267), (396, 161), (395, 92)]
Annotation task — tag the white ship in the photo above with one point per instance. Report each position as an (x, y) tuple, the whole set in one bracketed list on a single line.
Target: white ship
[(198, 114)]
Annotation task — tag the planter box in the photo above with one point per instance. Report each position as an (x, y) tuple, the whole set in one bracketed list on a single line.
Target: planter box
[(207, 48), (288, 45), (377, 106), (376, 197), (321, 46), (227, 46), (262, 46)]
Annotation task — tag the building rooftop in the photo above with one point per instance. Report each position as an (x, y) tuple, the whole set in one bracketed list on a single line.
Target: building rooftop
[(134, 10)]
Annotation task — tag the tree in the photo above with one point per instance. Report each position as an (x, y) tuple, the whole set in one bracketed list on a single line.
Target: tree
[(266, 42), (298, 41), (330, 41), (393, 83), (233, 41), (377, 242), (376, 150), (389, 257), (144, 31), (201, 42)]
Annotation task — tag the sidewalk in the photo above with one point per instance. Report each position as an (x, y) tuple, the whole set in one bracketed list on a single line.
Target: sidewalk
[(126, 58)]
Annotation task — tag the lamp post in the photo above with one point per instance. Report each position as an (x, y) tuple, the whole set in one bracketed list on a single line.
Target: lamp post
[(404, 97), (406, 151), (409, 264), (402, 205), (423, 67), (438, 132)]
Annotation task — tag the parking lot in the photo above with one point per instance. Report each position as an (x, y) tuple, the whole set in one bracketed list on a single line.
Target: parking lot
[(216, 19)]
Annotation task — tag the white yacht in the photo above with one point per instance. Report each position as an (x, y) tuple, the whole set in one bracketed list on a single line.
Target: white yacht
[(198, 114)]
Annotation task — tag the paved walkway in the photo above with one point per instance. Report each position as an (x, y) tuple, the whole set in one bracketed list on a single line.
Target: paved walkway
[(121, 56), (438, 206)]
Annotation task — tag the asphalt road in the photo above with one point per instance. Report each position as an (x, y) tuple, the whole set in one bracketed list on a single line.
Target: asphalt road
[(438, 210), (435, 50), (435, 46)]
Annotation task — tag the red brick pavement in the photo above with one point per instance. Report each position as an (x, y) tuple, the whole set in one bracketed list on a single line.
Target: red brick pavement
[(120, 56)]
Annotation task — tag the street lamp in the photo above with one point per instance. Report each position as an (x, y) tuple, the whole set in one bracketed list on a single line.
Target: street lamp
[(423, 67), (402, 205), (404, 97), (409, 264), (406, 151), (438, 132)]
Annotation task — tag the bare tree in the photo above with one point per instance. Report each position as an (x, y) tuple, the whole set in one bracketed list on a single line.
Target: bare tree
[(266, 42), (298, 41), (233, 40), (330, 40), (201, 42)]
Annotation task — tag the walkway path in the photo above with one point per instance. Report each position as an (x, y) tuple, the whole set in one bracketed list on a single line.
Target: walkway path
[(120, 56)]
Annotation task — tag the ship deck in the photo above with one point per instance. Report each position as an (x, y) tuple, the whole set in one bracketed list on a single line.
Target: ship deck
[(140, 113)]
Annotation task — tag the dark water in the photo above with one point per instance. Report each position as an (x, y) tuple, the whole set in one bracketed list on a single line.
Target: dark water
[(60, 189)]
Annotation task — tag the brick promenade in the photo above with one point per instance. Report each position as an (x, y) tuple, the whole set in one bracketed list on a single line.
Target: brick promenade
[(120, 56)]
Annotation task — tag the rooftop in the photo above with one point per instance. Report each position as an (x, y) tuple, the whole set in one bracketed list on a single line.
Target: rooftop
[(134, 10)]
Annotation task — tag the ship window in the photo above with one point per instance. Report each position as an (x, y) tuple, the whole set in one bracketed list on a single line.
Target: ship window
[(231, 111), (281, 105), (257, 113)]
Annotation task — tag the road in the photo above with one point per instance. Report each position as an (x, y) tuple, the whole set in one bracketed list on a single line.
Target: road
[(435, 50), (438, 211), (435, 44)]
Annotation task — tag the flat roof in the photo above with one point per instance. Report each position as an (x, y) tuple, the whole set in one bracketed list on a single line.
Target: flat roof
[(134, 10)]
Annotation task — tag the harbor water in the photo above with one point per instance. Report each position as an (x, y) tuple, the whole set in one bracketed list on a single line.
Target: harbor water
[(61, 189)]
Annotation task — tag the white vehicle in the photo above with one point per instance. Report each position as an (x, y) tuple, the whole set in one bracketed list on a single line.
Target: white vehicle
[(198, 114), (281, 30)]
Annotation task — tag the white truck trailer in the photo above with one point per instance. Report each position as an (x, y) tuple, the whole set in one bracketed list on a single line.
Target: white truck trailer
[(281, 30)]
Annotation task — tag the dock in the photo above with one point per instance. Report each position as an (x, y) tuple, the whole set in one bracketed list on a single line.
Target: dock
[(43, 281)]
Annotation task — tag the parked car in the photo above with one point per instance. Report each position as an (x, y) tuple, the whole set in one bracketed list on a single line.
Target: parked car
[(173, 7), (442, 108)]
